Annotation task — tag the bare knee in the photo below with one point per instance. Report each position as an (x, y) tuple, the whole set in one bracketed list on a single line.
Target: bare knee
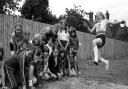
[(94, 42), (31, 68)]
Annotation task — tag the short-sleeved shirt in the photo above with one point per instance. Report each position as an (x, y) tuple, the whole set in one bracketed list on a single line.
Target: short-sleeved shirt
[(74, 43), (101, 26), (14, 41), (63, 35)]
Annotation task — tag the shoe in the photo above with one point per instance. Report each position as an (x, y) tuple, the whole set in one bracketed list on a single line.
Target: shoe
[(107, 66), (96, 63), (79, 73)]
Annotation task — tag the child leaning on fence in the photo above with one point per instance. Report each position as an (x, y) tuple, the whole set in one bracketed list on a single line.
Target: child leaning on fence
[(17, 36), (100, 27), (74, 46)]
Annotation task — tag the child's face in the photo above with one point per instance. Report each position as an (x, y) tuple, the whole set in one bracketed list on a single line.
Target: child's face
[(46, 54), (36, 42), (55, 53), (99, 17), (62, 54), (73, 34), (29, 54), (50, 42), (18, 30)]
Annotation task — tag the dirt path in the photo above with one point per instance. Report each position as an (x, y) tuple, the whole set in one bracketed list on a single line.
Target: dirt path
[(95, 77)]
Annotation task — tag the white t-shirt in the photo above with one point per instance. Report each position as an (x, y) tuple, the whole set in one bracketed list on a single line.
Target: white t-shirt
[(102, 26), (63, 35)]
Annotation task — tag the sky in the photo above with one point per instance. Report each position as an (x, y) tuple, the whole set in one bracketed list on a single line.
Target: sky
[(118, 9)]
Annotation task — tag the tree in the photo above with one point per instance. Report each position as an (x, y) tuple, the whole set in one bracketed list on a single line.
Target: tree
[(75, 17), (122, 34), (8, 6), (38, 10)]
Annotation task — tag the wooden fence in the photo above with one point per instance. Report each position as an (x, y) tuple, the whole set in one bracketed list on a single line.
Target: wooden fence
[(112, 49)]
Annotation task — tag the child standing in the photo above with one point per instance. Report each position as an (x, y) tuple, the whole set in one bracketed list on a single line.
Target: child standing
[(99, 42), (74, 44), (63, 36)]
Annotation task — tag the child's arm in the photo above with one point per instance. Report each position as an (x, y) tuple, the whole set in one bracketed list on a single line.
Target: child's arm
[(21, 65), (60, 43), (45, 64), (91, 30), (117, 22), (67, 45), (77, 44), (67, 41)]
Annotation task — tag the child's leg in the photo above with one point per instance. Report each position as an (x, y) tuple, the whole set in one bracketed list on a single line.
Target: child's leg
[(31, 75), (11, 78), (76, 64), (95, 49), (106, 62)]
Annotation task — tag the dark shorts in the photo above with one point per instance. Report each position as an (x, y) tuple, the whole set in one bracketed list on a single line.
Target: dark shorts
[(103, 38)]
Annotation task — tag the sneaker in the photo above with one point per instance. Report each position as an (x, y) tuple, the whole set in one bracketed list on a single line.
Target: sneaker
[(107, 66), (79, 73), (96, 63)]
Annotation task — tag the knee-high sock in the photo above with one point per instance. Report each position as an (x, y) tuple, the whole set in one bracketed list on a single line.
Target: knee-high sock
[(95, 49)]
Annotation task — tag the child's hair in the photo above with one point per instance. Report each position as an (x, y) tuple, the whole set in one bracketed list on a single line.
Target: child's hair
[(36, 37), (73, 31), (100, 13), (18, 24), (45, 49)]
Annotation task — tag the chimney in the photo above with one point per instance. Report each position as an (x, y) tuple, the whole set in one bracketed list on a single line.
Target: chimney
[(91, 16), (107, 14)]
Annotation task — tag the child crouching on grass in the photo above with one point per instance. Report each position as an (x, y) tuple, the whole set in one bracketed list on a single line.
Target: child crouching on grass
[(99, 41), (54, 65), (35, 68), (18, 63)]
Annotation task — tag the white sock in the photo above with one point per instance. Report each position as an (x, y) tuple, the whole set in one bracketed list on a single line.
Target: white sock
[(95, 49), (30, 83)]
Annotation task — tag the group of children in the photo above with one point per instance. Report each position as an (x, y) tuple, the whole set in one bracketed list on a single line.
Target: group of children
[(50, 54)]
